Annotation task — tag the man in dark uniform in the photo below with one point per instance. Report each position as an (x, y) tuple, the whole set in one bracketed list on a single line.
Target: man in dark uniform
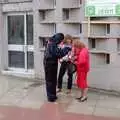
[(51, 56)]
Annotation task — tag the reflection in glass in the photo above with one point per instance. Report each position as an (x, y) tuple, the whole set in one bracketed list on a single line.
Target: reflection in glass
[(30, 60), (16, 59), (16, 25), (16, 30), (30, 29)]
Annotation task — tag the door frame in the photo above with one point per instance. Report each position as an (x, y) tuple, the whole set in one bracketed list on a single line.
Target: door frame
[(25, 48)]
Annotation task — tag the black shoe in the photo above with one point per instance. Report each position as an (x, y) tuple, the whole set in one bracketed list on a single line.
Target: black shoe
[(51, 100), (84, 99), (79, 98)]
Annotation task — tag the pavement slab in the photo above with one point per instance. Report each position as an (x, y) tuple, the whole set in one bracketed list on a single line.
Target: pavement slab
[(22, 99)]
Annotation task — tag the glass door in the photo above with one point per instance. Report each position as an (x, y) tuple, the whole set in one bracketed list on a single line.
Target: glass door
[(20, 42)]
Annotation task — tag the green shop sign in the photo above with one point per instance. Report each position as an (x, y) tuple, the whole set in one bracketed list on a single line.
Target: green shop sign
[(94, 8)]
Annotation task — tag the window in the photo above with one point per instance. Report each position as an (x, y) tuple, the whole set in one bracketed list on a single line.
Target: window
[(118, 44), (107, 58), (66, 14), (43, 42), (20, 32), (16, 59), (80, 2), (30, 60), (42, 14), (92, 43), (54, 28), (108, 28), (80, 28), (16, 30), (54, 3), (29, 29)]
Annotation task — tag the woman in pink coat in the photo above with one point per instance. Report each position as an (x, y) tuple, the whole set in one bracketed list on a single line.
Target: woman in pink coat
[(82, 63)]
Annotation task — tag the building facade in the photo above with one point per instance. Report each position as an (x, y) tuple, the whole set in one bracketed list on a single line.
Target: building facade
[(25, 25)]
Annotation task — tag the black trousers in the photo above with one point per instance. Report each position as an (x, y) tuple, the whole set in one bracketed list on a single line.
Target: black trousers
[(51, 79), (63, 68)]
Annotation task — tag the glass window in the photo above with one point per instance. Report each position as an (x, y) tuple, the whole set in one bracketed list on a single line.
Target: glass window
[(43, 42), (108, 28), (30, 60), (93, 45), (107, 58), (16, 59), (54, 2), (118, 44), (16, 30), (80, 1), (42, 14), (66, 14), (54, 28), (29, 29), (16, 36), (80, 28)]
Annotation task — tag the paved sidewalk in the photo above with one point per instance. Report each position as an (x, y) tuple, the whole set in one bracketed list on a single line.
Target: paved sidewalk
[(23, 99)]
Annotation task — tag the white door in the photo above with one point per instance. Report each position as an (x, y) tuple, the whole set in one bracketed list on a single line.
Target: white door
[(20, 42)]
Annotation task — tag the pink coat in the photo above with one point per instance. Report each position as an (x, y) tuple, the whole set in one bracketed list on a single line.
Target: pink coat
[(82, 61)]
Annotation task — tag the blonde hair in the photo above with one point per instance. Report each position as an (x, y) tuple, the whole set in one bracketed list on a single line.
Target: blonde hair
[(78, 44), (68, 37)]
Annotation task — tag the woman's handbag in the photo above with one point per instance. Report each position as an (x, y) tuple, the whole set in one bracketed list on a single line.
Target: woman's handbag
[(72, 68)]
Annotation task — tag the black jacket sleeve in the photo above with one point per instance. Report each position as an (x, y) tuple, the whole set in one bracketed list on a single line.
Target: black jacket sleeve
[(58, 52)]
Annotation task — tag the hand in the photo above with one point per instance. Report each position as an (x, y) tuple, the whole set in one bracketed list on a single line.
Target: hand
[(61, 60), (75, 62)]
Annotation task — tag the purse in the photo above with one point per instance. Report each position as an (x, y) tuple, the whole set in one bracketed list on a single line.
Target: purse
[(72, 68)]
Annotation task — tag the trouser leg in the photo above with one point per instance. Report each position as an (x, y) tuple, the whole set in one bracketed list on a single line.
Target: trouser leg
[(62, 71), (70, 78), (51, 80)]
